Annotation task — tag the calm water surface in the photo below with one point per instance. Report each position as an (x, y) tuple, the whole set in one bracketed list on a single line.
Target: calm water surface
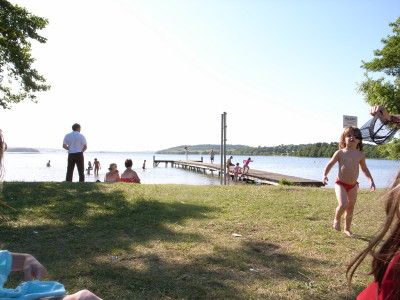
[(32, 167)]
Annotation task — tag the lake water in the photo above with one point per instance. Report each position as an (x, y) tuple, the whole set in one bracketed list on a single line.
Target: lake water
[(32, 167)]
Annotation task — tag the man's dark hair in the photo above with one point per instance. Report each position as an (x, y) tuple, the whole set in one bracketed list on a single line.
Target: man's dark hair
[(76, 127), (128, 163)]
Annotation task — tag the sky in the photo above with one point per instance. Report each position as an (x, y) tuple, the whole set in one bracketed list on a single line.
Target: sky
[(145, 75)]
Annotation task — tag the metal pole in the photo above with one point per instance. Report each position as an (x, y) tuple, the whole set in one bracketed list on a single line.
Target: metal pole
[(221, 173), (225, 149)]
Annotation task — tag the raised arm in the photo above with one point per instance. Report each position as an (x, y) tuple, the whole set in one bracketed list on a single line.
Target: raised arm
[(331, 163), (381, 112), (367, 173)]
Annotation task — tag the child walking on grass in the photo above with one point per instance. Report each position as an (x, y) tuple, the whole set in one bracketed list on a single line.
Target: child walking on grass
[(350, 157)]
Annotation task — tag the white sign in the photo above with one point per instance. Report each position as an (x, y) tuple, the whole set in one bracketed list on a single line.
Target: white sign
[(349, 121)]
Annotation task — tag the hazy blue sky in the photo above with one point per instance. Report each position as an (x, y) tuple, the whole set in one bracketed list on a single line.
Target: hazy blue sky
[(146, 75)]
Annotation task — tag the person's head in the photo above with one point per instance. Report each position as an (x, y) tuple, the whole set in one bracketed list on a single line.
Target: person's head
[(231, 157), (128, 163), (249, 158), (76, 127), (144, 160), (95, 159), (386, 243), (112, 167), (237, 164), (351, 135)]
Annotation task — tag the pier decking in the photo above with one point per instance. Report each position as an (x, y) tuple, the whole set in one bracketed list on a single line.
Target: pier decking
[(253, 175)]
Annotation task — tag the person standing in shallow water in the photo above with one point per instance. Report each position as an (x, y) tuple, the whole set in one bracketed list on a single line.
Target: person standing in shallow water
[(76, 144), (96, 165)]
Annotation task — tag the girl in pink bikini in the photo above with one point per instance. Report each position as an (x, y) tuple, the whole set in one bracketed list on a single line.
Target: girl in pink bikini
[(350, 157)]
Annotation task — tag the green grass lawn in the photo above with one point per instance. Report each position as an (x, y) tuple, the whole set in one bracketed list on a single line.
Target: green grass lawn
[(125, 241)]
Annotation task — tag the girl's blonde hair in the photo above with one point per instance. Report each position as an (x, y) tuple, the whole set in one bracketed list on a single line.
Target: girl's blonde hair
[(386, 243), (112, 165), (351, 130)]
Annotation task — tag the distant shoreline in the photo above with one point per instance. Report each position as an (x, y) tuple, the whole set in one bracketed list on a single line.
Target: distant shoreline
[(302, 150), (22, 150)]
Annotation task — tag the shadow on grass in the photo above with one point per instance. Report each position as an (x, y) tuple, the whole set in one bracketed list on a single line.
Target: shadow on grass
[(71, 213), (89, 238)]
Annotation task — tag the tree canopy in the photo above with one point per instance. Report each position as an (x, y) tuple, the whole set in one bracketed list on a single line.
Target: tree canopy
[(386, 89), (19, 80)]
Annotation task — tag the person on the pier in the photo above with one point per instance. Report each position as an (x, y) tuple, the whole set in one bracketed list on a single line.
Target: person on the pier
[(229, 164), (236, 171), (246, 167), (212, 156), (350, 157)]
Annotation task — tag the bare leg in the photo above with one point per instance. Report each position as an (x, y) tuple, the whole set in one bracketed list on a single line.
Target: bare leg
[(341, 196), (352, 198), (82, 295)]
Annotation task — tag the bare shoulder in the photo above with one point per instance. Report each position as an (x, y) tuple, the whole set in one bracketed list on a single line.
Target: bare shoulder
[(361, 155), (338, 153)]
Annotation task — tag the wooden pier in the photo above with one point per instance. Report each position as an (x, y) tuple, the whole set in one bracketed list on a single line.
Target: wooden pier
[(252, 175)]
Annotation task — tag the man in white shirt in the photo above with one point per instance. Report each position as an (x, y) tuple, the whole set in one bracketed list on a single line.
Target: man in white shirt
[(75, 143)]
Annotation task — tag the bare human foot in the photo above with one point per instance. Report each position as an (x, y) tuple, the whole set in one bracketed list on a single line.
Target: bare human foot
[(336, 225), (348, 233)]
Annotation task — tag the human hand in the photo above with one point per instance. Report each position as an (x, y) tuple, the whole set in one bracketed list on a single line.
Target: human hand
[(373, 188), (381, 112), (325, 180), (33, 269)]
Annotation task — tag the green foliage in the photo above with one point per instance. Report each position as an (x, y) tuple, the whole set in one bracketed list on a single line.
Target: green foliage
[(385, 91), (18, 79), (387, 59), (391, 150), (284, 181)]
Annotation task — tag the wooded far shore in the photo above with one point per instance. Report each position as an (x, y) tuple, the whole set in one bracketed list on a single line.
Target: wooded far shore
[(303, 150)]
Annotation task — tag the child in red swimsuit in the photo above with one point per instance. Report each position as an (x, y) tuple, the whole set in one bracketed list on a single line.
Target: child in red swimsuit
[(350, 157)]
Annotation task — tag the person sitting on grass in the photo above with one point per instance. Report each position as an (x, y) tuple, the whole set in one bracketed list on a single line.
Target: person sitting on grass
[(113, 174), (32, 268), (32, 288), (129, 175)]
